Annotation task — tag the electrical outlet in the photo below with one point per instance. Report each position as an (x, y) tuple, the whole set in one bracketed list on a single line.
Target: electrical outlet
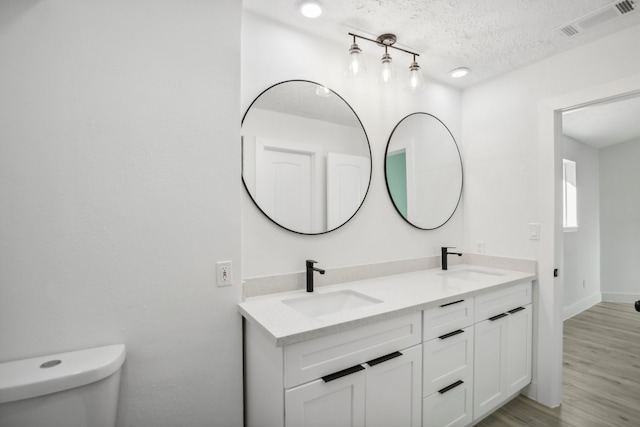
[(480, 247), (224, 274)]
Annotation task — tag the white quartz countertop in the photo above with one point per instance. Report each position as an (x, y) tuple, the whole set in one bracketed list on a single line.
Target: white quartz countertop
[(399, 294)]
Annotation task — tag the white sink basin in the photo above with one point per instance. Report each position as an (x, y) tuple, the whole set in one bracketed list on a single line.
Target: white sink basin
[(471, 274), (314, 304)]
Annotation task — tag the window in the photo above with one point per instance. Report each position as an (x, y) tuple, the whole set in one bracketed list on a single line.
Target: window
[(569, 196)]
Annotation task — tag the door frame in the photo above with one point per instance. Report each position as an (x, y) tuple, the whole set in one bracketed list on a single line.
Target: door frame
[(547, 364)]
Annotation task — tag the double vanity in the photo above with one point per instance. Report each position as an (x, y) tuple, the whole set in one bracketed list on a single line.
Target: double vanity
[(426, 348)]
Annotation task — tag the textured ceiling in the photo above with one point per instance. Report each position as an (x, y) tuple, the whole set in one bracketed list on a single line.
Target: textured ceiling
[(604, 124), (490, 37)]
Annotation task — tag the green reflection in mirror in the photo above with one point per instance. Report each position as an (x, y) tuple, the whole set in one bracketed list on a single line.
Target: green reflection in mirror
[(397, 179)]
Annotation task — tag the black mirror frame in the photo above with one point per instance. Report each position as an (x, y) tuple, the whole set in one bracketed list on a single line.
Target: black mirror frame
[(365, 136), (386, 151)]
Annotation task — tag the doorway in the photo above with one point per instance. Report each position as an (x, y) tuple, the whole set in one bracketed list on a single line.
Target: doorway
[(549, 328), (602, 141)]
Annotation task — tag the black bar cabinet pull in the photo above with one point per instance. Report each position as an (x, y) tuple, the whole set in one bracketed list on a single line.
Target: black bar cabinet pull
[(343, 373), (499, 316), (515, 310), (384, 358), (452, 386), (451, 303), (451, 334)]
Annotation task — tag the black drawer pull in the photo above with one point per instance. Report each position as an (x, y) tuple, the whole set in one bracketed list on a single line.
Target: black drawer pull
[(451, 334), (515, 310), (384, 358), (499, 316), (452, 386), (451, 303), (343, 373)]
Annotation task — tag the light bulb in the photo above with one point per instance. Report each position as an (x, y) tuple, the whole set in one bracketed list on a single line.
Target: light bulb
[(387, 72), (416, 82), (459, 72), (355, 66), (310, 8)]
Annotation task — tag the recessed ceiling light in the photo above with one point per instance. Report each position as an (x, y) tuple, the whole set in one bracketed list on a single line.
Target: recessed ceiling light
[(459, 72), (310, 8)]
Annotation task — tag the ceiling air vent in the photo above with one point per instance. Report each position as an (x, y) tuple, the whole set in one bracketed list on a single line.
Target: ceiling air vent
[(569, 30), (625, 6), (600, 16)]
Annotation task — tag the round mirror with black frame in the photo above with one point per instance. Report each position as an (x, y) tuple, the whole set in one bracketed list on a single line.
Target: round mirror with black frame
[(306, 159), (423, 170)]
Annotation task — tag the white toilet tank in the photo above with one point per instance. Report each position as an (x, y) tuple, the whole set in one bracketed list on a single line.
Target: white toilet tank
[(74, 389)]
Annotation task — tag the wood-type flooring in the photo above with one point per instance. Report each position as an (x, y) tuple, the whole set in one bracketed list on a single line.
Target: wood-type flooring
[(601, 375)]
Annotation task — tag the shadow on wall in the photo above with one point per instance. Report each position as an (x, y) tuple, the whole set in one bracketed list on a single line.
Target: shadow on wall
[(14, 9)]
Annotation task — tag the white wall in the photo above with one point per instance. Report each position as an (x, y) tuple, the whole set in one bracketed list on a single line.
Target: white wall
[(620, 221), (508, 130), (582, 247), (273, 53), (120, 188)]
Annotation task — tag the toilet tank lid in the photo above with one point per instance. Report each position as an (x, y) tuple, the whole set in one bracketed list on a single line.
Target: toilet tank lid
[(37, 376)]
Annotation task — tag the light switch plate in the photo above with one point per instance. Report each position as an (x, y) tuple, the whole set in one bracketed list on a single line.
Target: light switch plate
[(534, 231)]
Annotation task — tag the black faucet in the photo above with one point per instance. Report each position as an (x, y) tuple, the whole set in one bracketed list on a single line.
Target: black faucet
[(310, 270), (444, 255)]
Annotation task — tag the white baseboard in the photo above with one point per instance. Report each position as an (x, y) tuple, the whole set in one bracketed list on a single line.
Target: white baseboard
[(620, 297), (580, 306)]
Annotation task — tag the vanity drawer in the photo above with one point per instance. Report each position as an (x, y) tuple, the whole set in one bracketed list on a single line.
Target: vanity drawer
[(493, 303), (309, 360), (447, 317), (447, 359), (451, 408)]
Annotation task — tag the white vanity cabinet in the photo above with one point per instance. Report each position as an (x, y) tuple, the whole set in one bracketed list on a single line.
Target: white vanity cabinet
[(448, 364), (428, 356), (502, 359), (365, 376)]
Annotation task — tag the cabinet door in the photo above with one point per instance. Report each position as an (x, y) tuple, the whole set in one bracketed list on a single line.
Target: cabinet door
[(518, 371), (489, 359), (338, 403), (394, 390)]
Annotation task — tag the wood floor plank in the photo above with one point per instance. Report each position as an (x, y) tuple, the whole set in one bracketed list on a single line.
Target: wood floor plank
[(601, 375)]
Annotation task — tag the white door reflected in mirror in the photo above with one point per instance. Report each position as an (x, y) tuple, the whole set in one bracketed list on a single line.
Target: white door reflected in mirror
[(306, 161)]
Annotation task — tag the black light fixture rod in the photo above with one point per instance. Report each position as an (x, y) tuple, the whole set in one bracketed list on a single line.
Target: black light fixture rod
[(392, 46)]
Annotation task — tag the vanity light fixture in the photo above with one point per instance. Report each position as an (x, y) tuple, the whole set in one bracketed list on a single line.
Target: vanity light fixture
[(416, 82), (459, 72), (387, 72), (310, 8), (356, 65)]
